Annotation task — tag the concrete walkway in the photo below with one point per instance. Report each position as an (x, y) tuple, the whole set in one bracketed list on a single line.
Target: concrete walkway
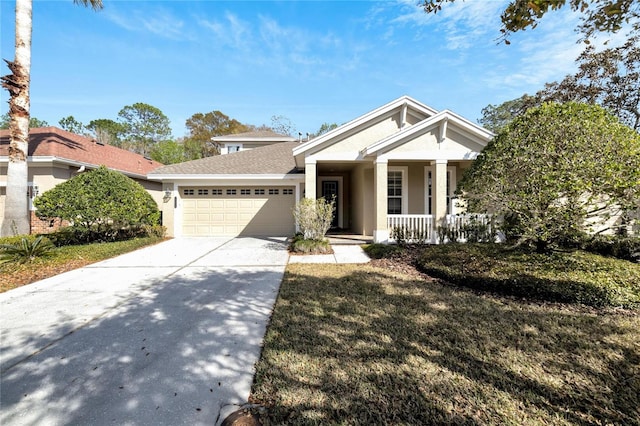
[(166, 335)]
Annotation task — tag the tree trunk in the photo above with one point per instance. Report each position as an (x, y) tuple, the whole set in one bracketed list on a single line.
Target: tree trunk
[(16, 209)]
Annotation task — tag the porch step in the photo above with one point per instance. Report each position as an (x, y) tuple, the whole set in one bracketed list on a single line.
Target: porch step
[(349, 239)]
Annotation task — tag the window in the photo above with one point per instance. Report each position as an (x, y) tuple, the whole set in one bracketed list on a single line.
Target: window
[(394, 192), (233, 148), (451, 173), (287, 191), (258, 192), (245, 192), (216, 192), (203, 192), (188, 192), (231, 192), (273, 191)]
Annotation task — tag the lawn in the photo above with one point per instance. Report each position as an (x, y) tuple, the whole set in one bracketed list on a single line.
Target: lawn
[(64, 259), (364, 345)]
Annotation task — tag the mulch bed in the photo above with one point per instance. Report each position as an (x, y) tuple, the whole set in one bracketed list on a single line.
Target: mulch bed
[(404, 262)]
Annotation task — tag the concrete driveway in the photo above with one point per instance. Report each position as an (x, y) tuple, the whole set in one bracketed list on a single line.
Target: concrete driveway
[(166, 335)]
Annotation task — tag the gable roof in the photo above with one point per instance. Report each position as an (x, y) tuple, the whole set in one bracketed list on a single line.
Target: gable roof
[(52, 143), (273, 159), (397, 104), (441, 120), (254, 136)]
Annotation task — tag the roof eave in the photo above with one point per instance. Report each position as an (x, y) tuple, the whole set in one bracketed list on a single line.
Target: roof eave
[(361, 120)]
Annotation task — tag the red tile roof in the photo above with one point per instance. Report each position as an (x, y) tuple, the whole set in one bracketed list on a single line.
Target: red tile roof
[(63, 145)]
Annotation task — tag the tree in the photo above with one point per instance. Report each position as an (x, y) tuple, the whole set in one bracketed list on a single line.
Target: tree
[(202, 127), (99, 199), (33, 122), (168, 152), (556, 171), (610, 78), (107, 131), (596, 15), (324, 128), (144, 126), (16, 214), (70, 124), (496, 117), (282, 125)]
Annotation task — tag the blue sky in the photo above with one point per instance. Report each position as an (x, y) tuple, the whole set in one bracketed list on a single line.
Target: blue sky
[(311, 61)]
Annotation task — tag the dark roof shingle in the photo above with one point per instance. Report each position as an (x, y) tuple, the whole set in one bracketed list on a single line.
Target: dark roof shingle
[(55, 142), (271, 159)]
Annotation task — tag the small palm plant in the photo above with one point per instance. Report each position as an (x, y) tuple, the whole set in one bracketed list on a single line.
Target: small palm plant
[(25, 250)]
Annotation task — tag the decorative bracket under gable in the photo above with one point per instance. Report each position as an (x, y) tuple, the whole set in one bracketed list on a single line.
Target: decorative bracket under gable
[(443, 130)]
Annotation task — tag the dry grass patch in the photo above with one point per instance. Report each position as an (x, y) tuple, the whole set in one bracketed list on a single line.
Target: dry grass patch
[(361, 345)]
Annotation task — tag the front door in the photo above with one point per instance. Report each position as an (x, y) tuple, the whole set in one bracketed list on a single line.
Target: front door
[(330, 192)]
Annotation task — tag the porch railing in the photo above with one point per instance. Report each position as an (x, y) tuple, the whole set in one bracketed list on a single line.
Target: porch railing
[(415, 228), (412, 228)]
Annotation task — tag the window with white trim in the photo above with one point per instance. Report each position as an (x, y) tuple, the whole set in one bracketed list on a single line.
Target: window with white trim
[(394, 192), (233, 148), (450, 189)]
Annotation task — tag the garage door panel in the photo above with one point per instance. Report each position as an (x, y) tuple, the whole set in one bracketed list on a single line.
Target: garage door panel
[(242, 214)]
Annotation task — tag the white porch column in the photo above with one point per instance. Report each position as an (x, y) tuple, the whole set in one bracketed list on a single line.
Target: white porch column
[(380, 229), (440, 191), (310, 173)]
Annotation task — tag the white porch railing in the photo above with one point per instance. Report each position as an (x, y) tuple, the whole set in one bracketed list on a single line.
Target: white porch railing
[(412, 228), (415, 228)]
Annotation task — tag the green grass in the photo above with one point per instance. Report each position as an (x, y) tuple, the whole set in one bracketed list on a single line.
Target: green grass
[(574, 277), (63, 259), (358, 345)]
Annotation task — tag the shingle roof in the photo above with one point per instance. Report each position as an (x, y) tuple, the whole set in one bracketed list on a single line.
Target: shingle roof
[(55, 142), (271, 159), (256, 134)]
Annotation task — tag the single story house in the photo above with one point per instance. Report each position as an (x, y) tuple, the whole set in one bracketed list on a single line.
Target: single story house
[(394, 166), (56, 155)]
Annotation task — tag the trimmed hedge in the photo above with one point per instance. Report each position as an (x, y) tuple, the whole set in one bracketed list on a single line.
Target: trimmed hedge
[(577, 277), (627, 248)]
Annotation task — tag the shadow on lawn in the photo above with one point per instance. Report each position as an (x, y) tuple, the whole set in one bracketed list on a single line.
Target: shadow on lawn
[(161, 357), (365, 347)]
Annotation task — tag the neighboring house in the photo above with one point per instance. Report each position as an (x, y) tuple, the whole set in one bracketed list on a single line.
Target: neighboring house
[(249, 140), (56, 155), (395, 166)]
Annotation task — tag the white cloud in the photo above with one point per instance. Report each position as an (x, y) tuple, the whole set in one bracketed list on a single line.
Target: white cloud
[(159, 22)]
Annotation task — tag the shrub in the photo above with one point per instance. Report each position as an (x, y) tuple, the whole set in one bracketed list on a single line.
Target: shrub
[(622, 247), (314, 217), (577, 277), (299, 244), (72, 235), (381, 251), (100, 202), (26, 250)]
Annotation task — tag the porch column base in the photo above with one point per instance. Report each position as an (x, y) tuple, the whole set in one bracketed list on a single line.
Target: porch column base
[(381, 236)]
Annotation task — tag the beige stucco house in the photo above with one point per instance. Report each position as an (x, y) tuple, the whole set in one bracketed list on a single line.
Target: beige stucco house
[(397, 165), (56, 155)]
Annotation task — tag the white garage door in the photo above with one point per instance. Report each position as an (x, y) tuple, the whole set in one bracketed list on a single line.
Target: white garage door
[(238, 211)]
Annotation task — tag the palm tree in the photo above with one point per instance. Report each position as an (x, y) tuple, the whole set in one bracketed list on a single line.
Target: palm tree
[(16, 213)]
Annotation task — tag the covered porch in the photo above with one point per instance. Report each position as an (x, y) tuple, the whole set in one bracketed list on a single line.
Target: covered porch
[(394, 168), (385, 201)]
